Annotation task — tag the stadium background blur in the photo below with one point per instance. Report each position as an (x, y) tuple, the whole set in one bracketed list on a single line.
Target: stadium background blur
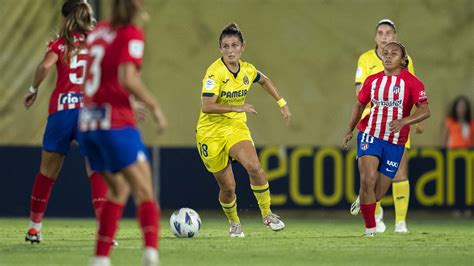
[(309, 48)]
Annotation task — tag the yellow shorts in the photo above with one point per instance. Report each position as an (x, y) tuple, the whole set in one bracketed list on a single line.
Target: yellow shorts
[(214, 150), (367, 112)]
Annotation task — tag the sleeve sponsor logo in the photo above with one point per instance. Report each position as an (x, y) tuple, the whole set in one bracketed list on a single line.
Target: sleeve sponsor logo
[(209, 84), (359, 72), (135, 48)]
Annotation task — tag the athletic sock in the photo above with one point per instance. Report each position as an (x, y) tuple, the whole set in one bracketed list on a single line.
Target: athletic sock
[(262, 194), (230, 210), (368, 212), (108, 225), (401, 197), (99, 191), (148, 214), (40, 196)]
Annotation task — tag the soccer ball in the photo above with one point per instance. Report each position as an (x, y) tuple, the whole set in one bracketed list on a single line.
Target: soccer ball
[(185, 222)]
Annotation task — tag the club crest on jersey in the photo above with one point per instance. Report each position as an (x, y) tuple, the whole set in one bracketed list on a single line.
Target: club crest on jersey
[(364, 146), (396, 89), (70, 100), (246, 80)]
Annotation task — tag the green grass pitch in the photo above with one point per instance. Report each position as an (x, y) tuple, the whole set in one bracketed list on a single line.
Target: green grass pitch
[(305, 241)]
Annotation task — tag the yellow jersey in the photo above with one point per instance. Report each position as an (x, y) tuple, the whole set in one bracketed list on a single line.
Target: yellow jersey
[(230, 88)]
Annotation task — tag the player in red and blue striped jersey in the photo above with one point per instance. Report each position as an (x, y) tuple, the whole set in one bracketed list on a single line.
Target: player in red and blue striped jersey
[(384, 132), (69, 55)]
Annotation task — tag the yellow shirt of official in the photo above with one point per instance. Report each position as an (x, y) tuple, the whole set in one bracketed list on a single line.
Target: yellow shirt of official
[(230, 88)]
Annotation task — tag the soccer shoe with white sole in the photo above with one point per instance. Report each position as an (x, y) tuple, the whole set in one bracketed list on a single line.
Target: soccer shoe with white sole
[(274, 222), (401, 227), (150, 257), (380, 225), (369, 232), (100, 261), (235, 230), (33, 235), (355, 206)]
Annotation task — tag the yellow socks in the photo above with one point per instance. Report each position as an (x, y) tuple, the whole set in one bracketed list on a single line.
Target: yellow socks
[(377, 208), (262, 193), (230, 210), (401, 196)]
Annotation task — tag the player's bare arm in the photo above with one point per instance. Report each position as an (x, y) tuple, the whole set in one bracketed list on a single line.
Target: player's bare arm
[(129, 77), (268, 86), (41, 73), (355, 117), (421, 113), (209, 105)]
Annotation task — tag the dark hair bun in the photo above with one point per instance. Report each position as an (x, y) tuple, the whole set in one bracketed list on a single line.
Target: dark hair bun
[(232, 29)]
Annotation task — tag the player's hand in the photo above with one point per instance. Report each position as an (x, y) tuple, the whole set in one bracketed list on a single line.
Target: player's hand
[(248, 108), (139, 110), (160, 120), (396, 125), (419, 128), (285, 111), (346, 140), (29, 99)]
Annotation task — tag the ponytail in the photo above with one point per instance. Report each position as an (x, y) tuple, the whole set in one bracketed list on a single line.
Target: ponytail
[(78, 17)]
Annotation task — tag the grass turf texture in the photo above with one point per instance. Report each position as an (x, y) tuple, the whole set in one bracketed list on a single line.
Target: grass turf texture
[(306, 241)]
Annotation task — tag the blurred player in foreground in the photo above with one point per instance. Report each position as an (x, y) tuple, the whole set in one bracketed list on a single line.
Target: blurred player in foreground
[(222, 132), (109, 134), (384, 132), (69, 55)]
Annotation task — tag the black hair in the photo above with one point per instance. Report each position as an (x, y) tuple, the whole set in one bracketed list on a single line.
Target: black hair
[(454, 115), (405, 60), (231, 30)]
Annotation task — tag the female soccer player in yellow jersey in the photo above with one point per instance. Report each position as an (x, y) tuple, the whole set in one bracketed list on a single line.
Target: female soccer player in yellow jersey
[(370, 63), (222, 131)]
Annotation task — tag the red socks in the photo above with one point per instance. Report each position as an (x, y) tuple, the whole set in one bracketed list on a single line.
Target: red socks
[(40, 196), (368, 211), (99, 191), (148, 214), (108, 225)]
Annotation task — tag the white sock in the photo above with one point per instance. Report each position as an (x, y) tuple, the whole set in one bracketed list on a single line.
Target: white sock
[(36, 226)]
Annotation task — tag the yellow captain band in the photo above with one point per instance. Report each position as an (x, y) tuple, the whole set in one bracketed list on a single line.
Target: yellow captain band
[(281, 102)]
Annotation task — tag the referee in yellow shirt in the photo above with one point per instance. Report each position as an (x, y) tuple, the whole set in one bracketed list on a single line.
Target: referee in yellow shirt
[(222, 133), (370, 63)]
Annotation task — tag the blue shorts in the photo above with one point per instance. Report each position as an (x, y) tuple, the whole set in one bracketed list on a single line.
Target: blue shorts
[(389, 154), (113, 150), (61, 129)]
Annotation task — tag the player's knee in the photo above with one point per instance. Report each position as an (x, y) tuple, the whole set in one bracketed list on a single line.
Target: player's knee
[(254, 168), (368, 181), (142, 192)]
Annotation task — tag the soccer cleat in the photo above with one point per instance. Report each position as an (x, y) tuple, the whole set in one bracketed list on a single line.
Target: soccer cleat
[(273, 221), (235, 230), (150, 257), (355, 206), (368, 235), (401, 227), (380, 225), (369, 232), (33, 235), (100, 261)]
